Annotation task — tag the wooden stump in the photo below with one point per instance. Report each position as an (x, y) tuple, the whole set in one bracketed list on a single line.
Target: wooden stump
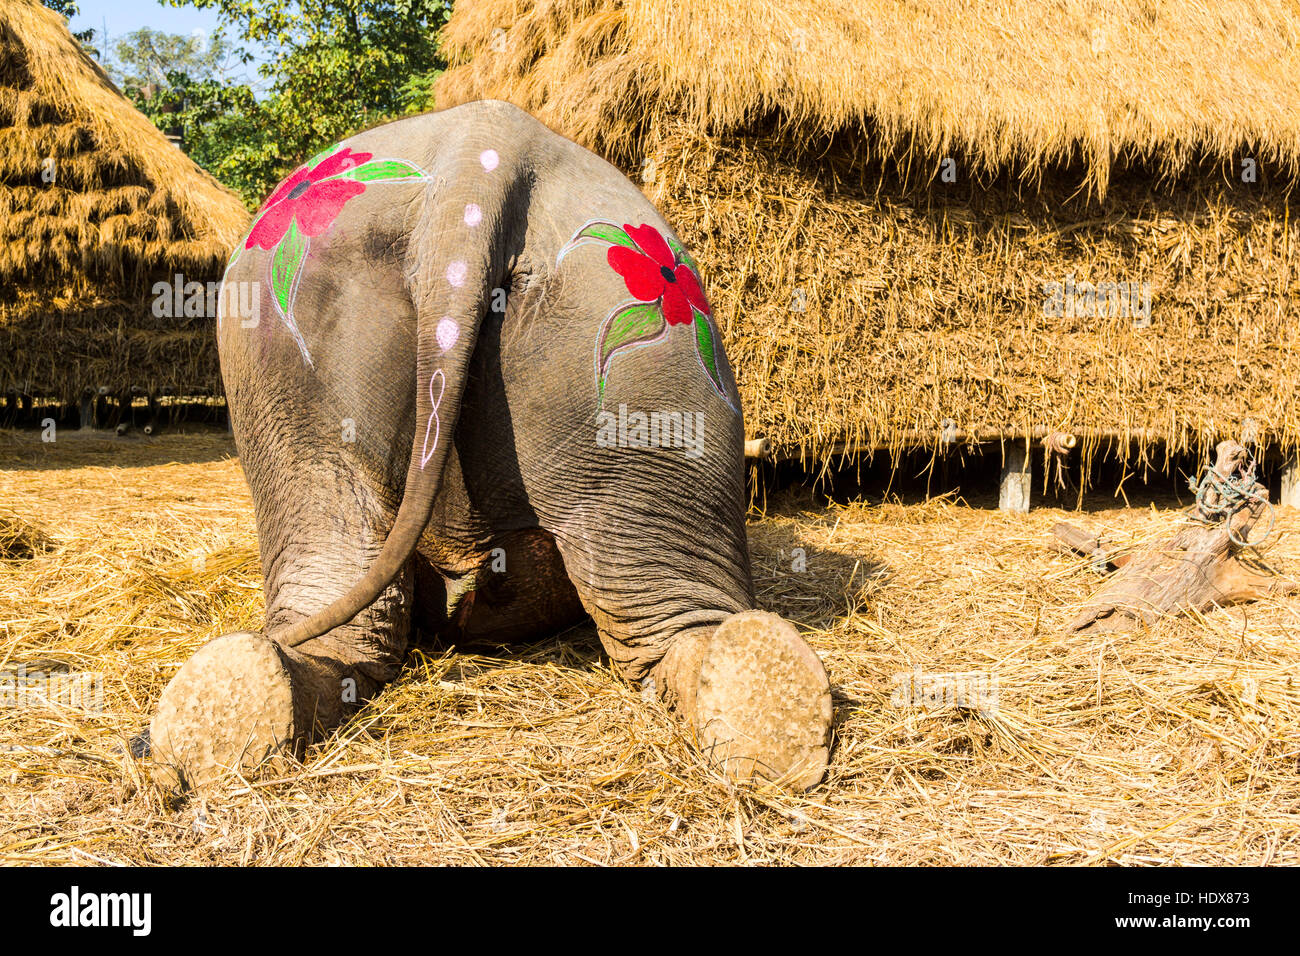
[(1291, 484), (1013, 494), (1198, 567)]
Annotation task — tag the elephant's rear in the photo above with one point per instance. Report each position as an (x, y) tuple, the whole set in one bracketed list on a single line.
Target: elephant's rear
[(618, 410), (472, 331)]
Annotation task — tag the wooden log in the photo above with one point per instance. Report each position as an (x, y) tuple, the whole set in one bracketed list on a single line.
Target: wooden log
[(1060, 443), (1073, 540), (126, 418), (1070, 539), (1013, 493), (1198, 567)]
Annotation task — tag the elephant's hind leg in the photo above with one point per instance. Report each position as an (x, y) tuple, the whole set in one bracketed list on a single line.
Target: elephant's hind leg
[(242, 698), (229, 707), (757, 696), (669, 592)]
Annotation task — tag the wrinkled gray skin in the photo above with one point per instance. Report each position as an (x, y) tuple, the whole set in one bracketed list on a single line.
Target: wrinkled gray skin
[(649, 542)]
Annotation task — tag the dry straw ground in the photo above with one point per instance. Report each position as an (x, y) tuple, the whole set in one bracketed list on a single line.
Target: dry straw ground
[(1180, 745)]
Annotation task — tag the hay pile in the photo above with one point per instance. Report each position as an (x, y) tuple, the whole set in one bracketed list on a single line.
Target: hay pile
[(921, 307), (95, 207), (1007, 83), (798, 147), (21, 539), (1180, 745)]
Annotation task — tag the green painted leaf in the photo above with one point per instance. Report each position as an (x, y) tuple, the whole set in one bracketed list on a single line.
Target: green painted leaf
[(289, 254), (596, 231), (320, 157), (707, 353), (682, 255), (605, 232), (637, 324), (379, 169)]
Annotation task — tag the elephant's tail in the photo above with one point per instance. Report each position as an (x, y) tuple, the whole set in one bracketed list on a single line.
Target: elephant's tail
[(456, 257)]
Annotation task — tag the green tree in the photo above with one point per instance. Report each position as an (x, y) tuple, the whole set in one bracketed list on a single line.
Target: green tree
[(221, 125), (184, 85), (69, 9), (333, 67), (146, 57)]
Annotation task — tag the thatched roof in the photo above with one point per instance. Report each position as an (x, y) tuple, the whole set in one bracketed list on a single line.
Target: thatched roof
[(1004, 82), (794, 144), (79, 254)]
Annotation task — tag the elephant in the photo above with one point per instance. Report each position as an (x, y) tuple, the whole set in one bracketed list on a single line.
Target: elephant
[(477, 391)]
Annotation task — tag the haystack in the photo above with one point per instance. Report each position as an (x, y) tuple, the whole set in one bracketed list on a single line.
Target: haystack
[(96, 207), (882, 196)]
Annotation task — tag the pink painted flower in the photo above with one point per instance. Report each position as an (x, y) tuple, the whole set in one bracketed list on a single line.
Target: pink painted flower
[(313, 197), (651, 272)]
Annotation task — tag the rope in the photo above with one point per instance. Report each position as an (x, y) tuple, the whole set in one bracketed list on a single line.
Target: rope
[(1219, 498), (1056, 445)]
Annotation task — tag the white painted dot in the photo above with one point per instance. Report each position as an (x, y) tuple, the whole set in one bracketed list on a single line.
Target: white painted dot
[(473, 215), (447, 333), (489, 159), (456, 273)]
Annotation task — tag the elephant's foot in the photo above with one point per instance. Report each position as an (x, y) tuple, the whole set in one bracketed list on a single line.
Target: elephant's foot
[(231, 707), (757, 697)]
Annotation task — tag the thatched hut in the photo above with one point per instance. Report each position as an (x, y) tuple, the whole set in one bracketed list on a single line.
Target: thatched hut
[(923, 224), (96, 209)]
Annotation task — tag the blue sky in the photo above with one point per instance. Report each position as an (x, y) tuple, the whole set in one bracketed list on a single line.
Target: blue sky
[(120, 17), (123, 16)]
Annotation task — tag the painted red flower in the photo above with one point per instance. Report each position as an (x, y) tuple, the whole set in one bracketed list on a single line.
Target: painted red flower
[(311, 196), (652, 272)]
